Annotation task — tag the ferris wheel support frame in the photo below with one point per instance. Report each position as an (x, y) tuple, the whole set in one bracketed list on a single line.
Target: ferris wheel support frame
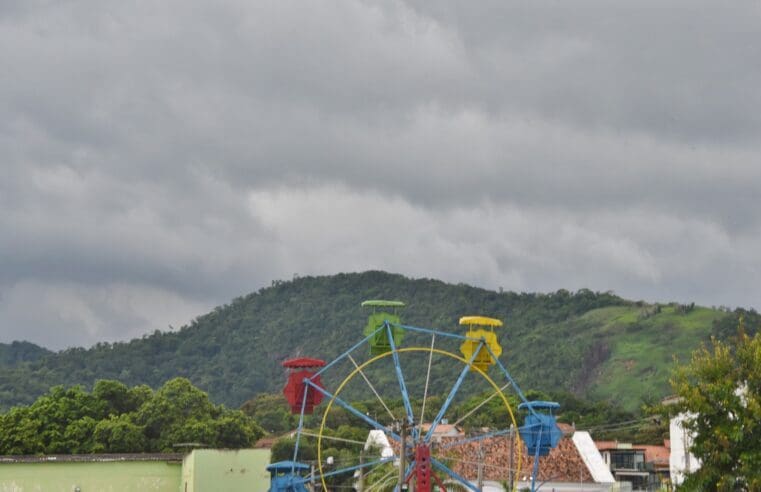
[(394, 352)]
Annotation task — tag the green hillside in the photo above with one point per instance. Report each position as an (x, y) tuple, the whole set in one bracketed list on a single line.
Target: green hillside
[(593, 344)]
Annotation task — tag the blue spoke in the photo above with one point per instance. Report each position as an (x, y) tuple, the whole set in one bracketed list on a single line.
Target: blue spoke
[(353, 410), (357, 467), (442, 467), (400, 377), (298, 432), (436, 332), (452, 394), (340, 357), (512, 381)]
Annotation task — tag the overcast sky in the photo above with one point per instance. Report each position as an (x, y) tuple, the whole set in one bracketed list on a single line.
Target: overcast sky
[(160, 158)]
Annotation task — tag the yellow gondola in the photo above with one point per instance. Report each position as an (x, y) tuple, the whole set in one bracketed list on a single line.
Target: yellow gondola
[(481, 328)]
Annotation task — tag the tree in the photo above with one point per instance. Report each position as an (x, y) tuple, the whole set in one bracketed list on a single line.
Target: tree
[(119, 398), (118, 435), (179, 412), (271, 412), (117, 419), (720, 390), (282, 450)]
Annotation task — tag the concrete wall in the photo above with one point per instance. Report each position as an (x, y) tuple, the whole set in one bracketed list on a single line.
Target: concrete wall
[(206, 470), (555, 487), (112, 476), (213, 470), (681, 461)]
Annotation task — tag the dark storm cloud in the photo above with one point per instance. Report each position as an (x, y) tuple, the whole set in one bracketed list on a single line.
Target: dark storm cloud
[(160, 158)]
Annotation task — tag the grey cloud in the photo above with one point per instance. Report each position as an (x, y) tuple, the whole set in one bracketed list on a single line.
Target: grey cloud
[(197, 150)]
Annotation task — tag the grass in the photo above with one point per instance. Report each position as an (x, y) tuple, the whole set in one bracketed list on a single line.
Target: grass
[(644, 351)]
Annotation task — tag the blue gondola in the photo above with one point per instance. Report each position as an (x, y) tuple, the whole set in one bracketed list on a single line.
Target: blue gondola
[(287, 476), (540, 432)]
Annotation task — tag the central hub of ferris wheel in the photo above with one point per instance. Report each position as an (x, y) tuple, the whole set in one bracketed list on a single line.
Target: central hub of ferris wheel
[(420, 468)]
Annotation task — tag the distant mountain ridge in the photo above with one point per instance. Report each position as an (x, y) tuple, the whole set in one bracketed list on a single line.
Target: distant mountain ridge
[(14, 353), (593, 344)]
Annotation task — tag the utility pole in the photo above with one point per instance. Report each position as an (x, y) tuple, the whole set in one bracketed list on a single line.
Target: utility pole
[(511, 470), (402, 454), (311, 478), (361, 484), (480, 465)]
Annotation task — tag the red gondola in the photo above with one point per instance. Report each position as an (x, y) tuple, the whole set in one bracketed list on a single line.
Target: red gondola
[(300, 369)]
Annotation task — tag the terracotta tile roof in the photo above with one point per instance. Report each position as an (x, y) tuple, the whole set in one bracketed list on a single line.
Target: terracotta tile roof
[(563, 464), (266, 442), (566, 429)]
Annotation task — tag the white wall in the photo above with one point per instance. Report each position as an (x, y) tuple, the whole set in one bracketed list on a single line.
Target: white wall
[(588, 450), (681, 461), (556, 487)]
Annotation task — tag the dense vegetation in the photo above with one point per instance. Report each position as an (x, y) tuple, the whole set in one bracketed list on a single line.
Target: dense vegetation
[(17, 352), (116, 419), (720, 392), (587, 343)]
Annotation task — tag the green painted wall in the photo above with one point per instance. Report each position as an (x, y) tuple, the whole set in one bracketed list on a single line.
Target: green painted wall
[(113, 476), (213, 470), (205, 470)]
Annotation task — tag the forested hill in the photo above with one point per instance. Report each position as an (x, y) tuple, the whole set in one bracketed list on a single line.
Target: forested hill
[(12, 354), (594, 344)]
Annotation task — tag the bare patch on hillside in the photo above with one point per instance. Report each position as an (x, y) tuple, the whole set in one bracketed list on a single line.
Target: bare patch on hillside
[(594, 358)]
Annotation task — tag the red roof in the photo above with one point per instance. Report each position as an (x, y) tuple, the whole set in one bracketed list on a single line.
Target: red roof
[(443, 429), (605, 445), (566, 429), (266, 442), (303, 362), (658, 455)]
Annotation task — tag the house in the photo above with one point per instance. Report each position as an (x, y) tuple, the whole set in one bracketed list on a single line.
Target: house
[(443, 430), (644, 466)]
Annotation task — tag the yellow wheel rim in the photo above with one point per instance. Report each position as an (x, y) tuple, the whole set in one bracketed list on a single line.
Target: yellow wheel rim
[(417, 349)]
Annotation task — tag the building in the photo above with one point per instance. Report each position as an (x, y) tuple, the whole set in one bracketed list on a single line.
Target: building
[(202, 470), (681, 461), (644, 466), (443, 430)]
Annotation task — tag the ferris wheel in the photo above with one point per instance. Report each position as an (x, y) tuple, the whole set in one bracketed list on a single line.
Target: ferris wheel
[(413, 389)]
